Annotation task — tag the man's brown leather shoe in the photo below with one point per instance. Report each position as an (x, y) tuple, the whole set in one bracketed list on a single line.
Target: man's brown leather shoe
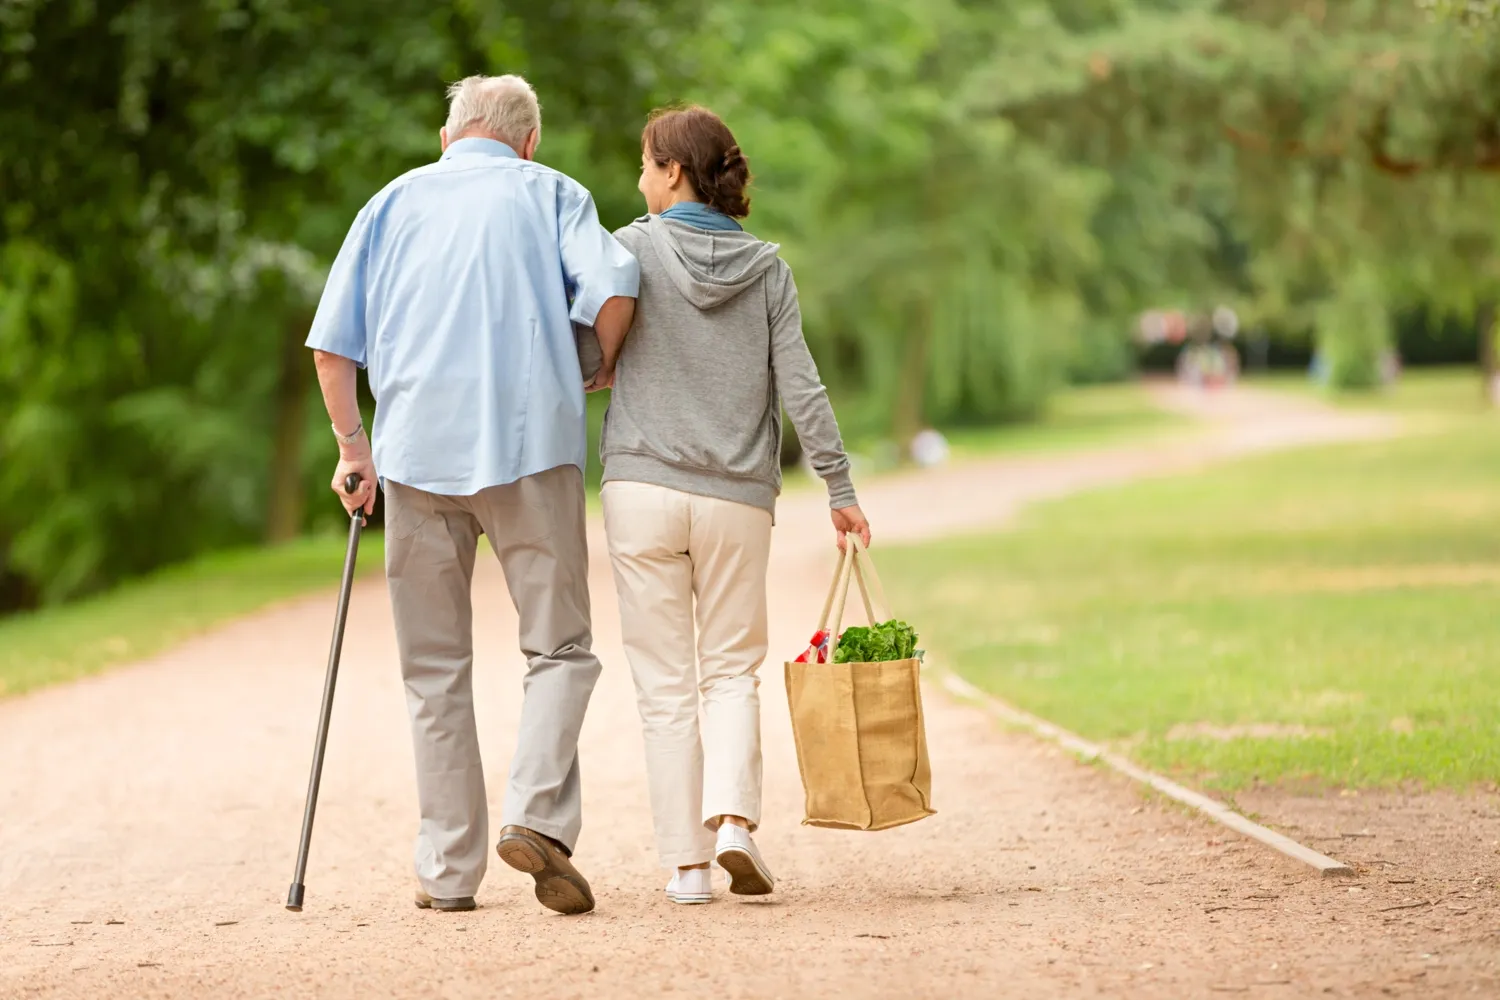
[(558, 885)]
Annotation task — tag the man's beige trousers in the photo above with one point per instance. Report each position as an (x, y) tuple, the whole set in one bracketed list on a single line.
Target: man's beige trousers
[(678, 557), (536, 528)]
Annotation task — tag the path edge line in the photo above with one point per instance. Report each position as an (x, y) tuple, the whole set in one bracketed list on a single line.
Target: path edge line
[(1216, 811)]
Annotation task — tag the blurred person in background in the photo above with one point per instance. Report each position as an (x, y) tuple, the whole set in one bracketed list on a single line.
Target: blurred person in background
[(458, 286), (691, 450)]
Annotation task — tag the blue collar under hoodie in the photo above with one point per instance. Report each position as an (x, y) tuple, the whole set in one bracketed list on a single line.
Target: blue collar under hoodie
[(700, 216)]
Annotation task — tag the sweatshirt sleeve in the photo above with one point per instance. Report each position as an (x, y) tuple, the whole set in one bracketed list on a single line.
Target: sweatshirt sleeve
[(803, 394), (590, 353)]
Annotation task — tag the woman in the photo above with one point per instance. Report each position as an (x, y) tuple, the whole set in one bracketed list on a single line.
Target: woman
[(691, 450)]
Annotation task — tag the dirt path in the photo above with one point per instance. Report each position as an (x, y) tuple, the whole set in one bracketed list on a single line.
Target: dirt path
[(148, 820)]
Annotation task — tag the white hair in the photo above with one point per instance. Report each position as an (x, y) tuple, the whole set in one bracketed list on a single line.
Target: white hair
[(502, 106)]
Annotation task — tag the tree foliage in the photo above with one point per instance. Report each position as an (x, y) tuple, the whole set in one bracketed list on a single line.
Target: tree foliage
[(1351, 146), (977, 199), (168, 204), (1472, 13)]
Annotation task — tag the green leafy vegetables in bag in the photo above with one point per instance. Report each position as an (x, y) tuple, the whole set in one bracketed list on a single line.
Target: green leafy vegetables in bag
[(892, 640)]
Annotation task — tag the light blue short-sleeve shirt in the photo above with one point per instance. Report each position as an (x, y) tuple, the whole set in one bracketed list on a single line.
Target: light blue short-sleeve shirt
[(457, 288)]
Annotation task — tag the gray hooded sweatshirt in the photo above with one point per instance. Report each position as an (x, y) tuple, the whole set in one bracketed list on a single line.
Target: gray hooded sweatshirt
[(715, 352)]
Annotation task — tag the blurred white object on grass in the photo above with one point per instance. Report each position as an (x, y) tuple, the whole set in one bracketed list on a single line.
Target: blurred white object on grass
[(929, 448), (1226, 323)]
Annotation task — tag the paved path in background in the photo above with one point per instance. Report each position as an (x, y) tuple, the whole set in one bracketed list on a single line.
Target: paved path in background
[(148, 820)]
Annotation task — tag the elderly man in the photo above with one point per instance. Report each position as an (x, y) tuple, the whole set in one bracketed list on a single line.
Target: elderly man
[(454, 287)]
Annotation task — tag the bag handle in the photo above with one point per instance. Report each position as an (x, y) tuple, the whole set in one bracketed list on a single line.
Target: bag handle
[(853, 561), (840, 577), (841, 586), (869, 580), (833, 590)]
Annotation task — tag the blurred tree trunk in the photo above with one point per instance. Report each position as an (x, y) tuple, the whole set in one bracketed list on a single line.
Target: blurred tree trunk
[(1487, 359), (286, 499), (16, 591), (910, 409)]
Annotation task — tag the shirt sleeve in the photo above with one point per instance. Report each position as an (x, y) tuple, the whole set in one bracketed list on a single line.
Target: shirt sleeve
[(338, 327), (596, 266)]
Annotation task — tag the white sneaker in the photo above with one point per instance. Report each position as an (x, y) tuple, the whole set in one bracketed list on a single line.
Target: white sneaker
[(694, 885), (736, 854)]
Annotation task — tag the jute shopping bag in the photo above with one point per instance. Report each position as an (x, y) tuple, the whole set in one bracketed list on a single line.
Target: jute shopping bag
[(861, 743)]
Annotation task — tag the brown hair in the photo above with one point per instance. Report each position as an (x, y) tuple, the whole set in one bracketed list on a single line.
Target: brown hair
[(700, 142)]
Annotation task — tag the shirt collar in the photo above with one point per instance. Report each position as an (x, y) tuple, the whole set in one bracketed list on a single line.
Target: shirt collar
[(479, 146)]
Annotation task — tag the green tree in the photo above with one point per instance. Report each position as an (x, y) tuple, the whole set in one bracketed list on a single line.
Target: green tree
[(978, 200), (1338, 141), (936, 254), (167, 207)]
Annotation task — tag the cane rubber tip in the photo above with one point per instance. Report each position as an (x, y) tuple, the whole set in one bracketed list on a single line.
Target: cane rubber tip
[(294, 898)]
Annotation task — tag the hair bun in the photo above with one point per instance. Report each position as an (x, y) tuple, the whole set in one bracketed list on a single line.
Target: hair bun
[(732, 158)]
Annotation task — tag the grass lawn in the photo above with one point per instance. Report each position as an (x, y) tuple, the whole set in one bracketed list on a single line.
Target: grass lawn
[(1075, 418), (1421, 392), (1327, 615), (144, 617), (1081, 417)]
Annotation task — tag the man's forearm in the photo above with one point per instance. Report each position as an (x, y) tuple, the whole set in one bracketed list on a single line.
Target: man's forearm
[(339, 379), (612, 324)]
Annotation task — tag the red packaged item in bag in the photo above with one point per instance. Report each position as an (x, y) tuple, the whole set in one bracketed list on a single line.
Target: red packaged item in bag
[(817, 651)]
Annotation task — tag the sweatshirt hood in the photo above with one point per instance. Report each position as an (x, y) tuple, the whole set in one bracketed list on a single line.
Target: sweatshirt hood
[(709, 267)]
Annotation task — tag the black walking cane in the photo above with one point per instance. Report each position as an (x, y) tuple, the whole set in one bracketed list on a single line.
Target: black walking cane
[(356, 523)]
